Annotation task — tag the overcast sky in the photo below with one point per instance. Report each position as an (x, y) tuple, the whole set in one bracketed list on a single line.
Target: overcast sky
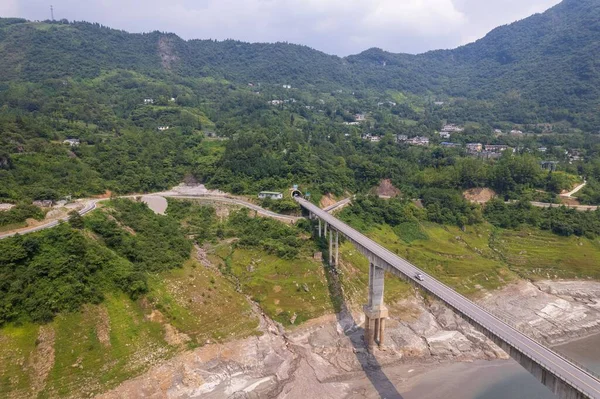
[(339, 27)]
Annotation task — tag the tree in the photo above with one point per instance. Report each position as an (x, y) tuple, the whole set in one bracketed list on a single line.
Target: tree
[(75, 220)]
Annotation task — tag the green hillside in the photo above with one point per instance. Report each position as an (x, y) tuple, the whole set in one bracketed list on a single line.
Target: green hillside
[(545, 64)]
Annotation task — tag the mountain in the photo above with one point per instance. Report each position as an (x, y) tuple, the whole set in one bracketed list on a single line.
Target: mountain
[(550, 59)]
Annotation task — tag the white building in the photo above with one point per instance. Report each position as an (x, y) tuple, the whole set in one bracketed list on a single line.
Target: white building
[(270, 194), (360, 117), (72, 142), (163, 128), (444, 135), (419, 140), (452, 128), (148, 101)]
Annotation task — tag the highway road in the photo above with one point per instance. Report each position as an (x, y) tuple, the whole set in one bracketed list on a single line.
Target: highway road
[(90, 205), (558, 365), (236, 201)]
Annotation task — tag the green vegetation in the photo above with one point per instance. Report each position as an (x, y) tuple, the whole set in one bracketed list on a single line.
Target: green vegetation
[(562, 221), (61, 269), (124, 267), (20, 213), (486, 257), (268, 260)]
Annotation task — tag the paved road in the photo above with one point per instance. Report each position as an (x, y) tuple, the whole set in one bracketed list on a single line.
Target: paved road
[(575, 191), (236, 201), (558, 365), (89, 206), (338, 205), (582, 208)]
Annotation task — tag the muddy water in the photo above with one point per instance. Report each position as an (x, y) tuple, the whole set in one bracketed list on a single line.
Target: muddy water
[(585, 352), (500, 379), (156, 203)]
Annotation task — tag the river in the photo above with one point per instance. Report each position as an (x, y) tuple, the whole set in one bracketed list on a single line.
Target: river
[(499, 379)]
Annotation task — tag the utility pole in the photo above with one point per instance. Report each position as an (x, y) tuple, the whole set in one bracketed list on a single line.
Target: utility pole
[(52, 12)]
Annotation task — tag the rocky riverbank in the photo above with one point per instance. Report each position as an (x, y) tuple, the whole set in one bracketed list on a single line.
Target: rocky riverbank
[(326, 357), (553, 312)]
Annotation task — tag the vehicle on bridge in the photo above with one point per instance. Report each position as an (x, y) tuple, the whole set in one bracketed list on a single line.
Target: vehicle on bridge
[(419, 277)]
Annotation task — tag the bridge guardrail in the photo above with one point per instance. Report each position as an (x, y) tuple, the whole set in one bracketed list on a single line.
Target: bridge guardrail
[(462, 304)]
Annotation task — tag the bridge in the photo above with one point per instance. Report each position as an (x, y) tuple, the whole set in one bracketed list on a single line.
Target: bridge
[(564, 378)]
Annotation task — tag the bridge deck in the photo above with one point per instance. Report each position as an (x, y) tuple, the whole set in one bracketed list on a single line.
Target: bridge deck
[(550, 360)]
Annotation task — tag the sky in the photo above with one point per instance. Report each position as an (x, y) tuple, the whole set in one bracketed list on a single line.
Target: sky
[(340, 27)]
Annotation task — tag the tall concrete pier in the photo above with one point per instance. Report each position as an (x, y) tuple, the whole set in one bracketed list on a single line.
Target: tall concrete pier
[(375, 310), (564, 378)]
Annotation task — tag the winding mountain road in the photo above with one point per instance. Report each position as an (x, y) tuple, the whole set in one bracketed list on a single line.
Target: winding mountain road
[(91, 204)]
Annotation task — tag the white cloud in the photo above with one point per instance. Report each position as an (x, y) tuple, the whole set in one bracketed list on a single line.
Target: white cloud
[(335, 26), (9, 8)]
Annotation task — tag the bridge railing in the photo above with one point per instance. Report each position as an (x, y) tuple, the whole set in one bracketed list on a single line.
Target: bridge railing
[(469, 314), (514, 325)]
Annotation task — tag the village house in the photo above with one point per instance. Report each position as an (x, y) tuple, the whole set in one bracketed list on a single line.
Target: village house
[(452, 128), (444, 135), (360, 117), (497, 131), (148, 101), (270, 194), (287, 86), (439, 103), (474, 147), (549, 165), (400, 138), (516, 132), (352, 123), (419, 140), (497, 148), (375, 139), (575, 155), (72, 142), (163, 128), (542, 149), (276, 102)]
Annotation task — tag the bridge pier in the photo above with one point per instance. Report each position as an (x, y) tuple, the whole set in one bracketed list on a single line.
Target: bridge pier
[(319, 228), (375, 311), (337, 248), (330, 247), (564, 378)]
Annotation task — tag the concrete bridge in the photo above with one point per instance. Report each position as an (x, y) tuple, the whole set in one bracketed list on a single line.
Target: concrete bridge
[(564, 378)]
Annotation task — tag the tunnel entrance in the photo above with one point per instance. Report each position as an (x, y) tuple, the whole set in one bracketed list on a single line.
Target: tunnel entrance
[(296, 194)]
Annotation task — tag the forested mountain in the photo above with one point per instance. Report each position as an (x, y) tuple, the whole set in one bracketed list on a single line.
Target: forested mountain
[(148, 110), (549, 59)]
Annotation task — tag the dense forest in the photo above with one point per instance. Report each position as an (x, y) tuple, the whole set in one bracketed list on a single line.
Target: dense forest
[(512, 66), (86, 109)]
